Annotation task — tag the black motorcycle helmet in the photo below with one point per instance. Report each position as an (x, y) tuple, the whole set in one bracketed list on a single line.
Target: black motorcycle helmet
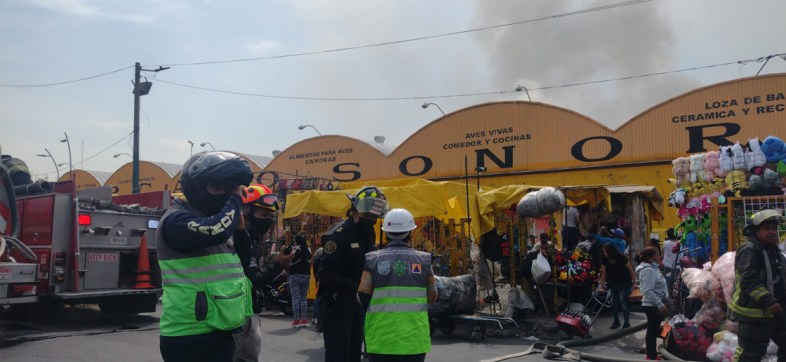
[(224, 168)]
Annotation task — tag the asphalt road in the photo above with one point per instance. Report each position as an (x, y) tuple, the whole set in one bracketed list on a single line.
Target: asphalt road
[(84, 334)]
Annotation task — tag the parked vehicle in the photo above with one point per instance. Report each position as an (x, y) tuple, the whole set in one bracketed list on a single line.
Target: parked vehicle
[(275, 293), (89, 247)]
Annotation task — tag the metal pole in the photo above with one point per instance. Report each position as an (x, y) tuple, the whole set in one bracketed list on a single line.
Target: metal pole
[(54, 162), (135, 167), (70, 163), (466, 186)]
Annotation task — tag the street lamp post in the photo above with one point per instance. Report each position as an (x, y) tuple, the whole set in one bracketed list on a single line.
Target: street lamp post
[(191, 152), (479, 170), (48, 154), (70, 164), (523, 88), (207, 143), (303, 126), (426, 104)]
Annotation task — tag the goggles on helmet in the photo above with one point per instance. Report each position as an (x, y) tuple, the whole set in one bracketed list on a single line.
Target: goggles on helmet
[(269, 201), (372, 205)]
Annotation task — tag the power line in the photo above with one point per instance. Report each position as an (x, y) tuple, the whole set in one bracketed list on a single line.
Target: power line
[(409, 40), (64, 82), (80, 163), (577, 12), (567, 85)]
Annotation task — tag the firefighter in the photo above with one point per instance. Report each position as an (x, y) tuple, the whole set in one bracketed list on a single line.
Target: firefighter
[(260, 207), (760, 289), (340, 269), (397, 285), (206, 295)]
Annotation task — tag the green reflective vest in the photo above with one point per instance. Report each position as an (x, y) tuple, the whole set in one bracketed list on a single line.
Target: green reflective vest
[(397, 316), (204, 290)]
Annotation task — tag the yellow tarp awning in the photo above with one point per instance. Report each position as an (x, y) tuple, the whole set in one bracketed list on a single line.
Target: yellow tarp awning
[(442, 200), (489, 201)]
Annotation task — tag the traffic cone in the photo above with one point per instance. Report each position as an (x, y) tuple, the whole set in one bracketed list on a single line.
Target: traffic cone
[(143, 267)]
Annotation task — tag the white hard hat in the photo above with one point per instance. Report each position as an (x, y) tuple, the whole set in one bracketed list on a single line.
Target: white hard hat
[(398, 221), (767, 215)]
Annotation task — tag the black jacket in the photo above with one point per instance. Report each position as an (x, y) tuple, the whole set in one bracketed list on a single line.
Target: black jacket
[(751, 296), (260, 274), (343, 258)]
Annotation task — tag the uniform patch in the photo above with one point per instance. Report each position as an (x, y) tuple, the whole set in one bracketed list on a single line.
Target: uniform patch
[(415, 268), (330, 247), (354, 245), (399, 267), (383, 267)]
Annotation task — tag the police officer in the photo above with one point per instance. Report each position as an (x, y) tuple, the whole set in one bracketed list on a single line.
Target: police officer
[(760, 289), (260, 207), (340, 269), (400, 283), (206, 296)]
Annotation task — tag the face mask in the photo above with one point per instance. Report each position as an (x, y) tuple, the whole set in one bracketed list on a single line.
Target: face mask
[(214, 203), (261, 226)]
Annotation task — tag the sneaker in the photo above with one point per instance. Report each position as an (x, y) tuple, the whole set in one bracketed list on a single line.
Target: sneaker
[(626, 325), (615, 325), (295, 324), (303, 324), (655, 359), (313, 321)]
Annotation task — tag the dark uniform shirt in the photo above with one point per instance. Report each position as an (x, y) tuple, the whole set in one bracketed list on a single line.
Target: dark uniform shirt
[(343, 258)]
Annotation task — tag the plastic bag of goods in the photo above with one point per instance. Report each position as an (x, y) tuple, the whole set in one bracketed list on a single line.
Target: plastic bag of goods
[(517, 299), (689, 336), (541, 270), (455, 295), (712, 314), (723, 347), (702, 284), (542, 202), (723, 270)]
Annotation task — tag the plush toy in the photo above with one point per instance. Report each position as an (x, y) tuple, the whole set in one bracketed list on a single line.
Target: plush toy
[(677, 197), (696, 168), (754, 158), (772, 182), (681, 170), (687, 228), (711, 165), (726, 165), (772, 147), (723, 233), (781, 168), (756, 186), (736, 182), (738, 157)]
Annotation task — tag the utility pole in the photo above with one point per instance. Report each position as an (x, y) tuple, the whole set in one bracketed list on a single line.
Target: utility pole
[(135, 162), (140, 89)]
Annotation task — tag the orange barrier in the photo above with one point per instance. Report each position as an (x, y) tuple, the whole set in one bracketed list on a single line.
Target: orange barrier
[(143, 267)]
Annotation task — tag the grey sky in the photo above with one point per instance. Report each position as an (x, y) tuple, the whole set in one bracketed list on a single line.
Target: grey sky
[(59, 40)]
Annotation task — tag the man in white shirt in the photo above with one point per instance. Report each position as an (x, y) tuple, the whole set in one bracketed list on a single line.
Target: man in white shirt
[(570, 231)]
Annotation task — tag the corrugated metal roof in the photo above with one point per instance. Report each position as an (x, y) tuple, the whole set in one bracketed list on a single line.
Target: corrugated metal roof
[(261, 161), (101, 176), (171, 169), (381, 147)]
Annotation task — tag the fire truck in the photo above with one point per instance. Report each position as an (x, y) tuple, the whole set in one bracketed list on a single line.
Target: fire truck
[(84, 247)]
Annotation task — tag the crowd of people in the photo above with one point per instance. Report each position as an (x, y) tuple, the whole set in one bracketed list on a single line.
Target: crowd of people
[(206, 256), (209, 271)]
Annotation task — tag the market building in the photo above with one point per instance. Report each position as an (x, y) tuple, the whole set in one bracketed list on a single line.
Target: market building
[(523, 143), (519, 142)]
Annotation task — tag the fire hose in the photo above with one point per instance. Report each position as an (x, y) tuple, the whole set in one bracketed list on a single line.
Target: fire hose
[(560, 350)]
